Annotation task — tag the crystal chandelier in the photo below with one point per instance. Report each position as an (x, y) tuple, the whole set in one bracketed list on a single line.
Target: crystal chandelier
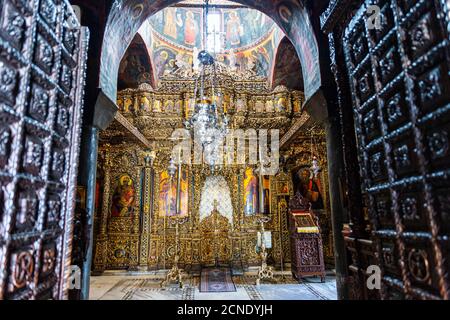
[(208, 125)]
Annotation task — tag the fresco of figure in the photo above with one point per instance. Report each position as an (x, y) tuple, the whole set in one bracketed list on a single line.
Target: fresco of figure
[(172, 22), (233, 29), (123, 197), (160, 62), (167, 195), (251, 194), (232, 59), (191, 29)]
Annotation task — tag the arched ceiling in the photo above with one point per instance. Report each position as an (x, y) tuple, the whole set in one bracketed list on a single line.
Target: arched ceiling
[(126, 17), (248, 39), (237, 28), (287, 70)]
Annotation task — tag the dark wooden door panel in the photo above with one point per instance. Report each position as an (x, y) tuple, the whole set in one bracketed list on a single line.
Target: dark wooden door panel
[(42, 54), (399, 75)]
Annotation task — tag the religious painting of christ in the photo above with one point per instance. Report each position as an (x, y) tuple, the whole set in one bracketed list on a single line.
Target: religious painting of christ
[(251, 193), (123, 197)]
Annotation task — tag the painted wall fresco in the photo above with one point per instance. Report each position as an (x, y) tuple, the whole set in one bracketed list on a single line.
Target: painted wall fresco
[(181, 26), (169, 59)]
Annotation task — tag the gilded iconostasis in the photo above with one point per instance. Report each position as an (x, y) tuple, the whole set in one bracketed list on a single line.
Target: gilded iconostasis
[(136, 196)]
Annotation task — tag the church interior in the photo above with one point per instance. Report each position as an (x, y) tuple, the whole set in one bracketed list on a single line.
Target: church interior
[(224, 150)]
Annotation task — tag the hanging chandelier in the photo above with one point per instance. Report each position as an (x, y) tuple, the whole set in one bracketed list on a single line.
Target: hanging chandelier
[(208, 124)]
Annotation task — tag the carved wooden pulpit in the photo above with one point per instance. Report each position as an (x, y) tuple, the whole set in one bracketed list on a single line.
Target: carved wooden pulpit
[(306, 240)]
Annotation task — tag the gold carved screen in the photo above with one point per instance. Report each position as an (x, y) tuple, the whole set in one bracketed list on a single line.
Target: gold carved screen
[(139, 237)]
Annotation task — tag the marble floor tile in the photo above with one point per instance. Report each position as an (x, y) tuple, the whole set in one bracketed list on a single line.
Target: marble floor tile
[(146, 286)]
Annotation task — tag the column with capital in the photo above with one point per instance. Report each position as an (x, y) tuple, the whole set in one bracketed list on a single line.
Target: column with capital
[(102, 237)]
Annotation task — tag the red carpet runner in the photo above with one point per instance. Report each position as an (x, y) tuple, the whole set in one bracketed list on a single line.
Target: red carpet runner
[(216, 280)]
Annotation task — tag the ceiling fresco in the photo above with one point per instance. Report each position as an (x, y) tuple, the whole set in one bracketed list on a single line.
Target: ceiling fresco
[(172, 47), (239, 29), (287, 68), (135, 67)]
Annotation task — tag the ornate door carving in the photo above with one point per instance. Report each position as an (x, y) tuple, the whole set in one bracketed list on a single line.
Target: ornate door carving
[(42, 54), (215, 239), (399, 79)]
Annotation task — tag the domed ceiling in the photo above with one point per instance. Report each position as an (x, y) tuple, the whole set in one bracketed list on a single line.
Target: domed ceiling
[(237, 28), (244, 40)]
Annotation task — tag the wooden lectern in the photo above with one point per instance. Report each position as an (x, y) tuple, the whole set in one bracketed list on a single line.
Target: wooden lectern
[(306, 240)]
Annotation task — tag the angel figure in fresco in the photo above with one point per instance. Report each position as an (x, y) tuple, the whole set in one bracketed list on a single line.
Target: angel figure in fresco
[(123, 197), (172, 21), (251, 194), (191, 29), (233, 29)]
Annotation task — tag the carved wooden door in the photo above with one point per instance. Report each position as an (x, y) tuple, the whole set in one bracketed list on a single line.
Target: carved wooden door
[(42, 54), (399, 74)]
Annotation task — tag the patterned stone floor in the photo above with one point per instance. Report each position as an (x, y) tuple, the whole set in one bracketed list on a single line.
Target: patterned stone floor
[(146, 286)]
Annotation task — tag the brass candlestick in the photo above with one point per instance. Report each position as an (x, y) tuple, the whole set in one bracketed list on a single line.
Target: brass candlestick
[(265, 272), (175, 274)]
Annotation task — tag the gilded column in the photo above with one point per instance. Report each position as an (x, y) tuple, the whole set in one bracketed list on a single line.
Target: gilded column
[(102, 237), (146, 226)]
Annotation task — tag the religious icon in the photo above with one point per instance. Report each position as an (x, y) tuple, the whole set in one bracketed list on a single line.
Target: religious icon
[(190, 28), (240, 105), (167, 195), (266, 193), (123, 197), (251, 193), (233, 29), (145, 103), (269, 106), (259, 106), (283, 188), (168, 106), (157, 106), (297, 106), (310, 187), (184, 193), (281, 104)]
